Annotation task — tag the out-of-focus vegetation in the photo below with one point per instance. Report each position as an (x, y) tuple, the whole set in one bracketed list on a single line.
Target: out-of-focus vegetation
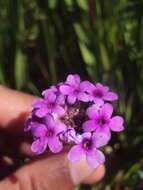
[(42, 41)]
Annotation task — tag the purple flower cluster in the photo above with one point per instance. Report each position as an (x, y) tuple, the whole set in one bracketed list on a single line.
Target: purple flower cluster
[(76, 113)]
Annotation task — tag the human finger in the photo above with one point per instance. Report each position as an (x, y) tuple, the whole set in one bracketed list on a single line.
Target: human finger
[(54, 172), (15, 108)]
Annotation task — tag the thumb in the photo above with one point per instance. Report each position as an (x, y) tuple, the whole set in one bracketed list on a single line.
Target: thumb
[(54, 172)]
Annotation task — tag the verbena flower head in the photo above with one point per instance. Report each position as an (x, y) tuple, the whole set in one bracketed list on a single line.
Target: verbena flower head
[(74, 112)]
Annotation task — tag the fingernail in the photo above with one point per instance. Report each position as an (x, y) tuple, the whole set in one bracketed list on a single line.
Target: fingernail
[(79, 171)]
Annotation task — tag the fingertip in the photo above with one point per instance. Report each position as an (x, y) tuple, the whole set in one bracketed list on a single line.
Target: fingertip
[(96, 175)]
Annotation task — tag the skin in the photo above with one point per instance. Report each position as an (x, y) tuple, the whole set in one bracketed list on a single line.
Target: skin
[(44, 172)]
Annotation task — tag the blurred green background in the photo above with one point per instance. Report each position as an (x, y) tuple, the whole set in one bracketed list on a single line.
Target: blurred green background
[(102, 40)]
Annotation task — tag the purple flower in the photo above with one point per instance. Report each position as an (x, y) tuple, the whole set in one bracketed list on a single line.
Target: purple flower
[(60, 98), (49, 105), (101, 120), (68, 136), (88, 147), (73, 89), (32, 121), (52, 89), (47, 135), (74, 113), (99, 93)]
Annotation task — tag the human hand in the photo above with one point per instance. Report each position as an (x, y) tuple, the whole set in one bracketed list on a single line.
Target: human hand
[(42, 172)]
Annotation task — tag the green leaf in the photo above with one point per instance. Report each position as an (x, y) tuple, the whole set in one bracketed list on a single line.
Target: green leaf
[(20, 69), (88, 56)]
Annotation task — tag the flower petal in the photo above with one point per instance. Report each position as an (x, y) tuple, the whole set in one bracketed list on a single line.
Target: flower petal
[(70, 136), (39, 130), (55, 145), (87, 86), (71, 99), (92, 112), (104, 130), (39, 146), (95, 158), (110, 96), (97, 101), (49, 120), (107, 110), (41, 112), (60, 127), (60, 99), (100, 139), (51, 98), (46, 92), (66, 89), (27, 125), (83, 97), (104, 88), (73, 80), (89, 126), (37, 103), (59, 110), (86, 135), (116, 123), (75, 153)]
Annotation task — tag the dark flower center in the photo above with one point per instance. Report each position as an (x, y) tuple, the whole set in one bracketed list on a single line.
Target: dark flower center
[(98, 94), (87, 144), (50, 105), (50, 133), (76, 91), (70, 114), (102, 121), (74, 117)]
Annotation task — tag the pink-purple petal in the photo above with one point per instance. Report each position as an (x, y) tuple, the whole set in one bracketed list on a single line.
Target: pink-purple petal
[(39, 146), (60, 127), (95, 158), (104, 89), (71, 99), (100, 156), (37, 103), (27, 125), (41, 112), (49, 120), (39, 131), (92, 111), (89, 126), (116, 124), (75, 153), (86, 135), (105, 130), (51, 98), (110, 96), (60, 99), (87, 86), (83, 97), (66, 89), (101, 139), (73, 80), (59, 110), (96, 100), (46, 92), (55, 145), (107, 110)]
